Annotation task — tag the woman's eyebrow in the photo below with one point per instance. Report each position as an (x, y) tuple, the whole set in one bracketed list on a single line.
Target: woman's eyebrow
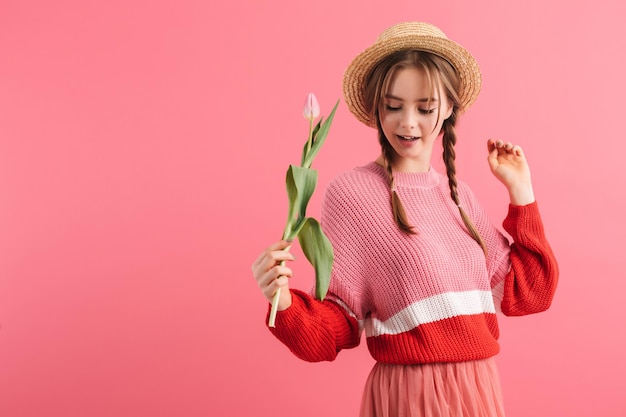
[(421, 100)]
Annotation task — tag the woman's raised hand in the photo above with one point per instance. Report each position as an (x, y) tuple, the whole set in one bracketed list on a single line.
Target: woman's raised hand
[(508, 164), (270, 275)]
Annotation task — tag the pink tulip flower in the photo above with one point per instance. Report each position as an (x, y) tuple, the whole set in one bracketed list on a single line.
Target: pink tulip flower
[(311, 107)]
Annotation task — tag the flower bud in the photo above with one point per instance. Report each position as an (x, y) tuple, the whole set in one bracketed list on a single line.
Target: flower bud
[(311, 107)]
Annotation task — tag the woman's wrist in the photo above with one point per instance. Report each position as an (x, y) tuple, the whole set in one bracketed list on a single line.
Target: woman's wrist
[(522, 195)]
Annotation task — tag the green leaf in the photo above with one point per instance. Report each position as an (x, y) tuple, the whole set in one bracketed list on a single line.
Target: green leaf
[(301, 184), (306, 144), (317, 126), (319, 252), (319, 138)]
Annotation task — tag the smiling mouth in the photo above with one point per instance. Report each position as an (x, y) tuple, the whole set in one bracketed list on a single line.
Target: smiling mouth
[(408, 138)]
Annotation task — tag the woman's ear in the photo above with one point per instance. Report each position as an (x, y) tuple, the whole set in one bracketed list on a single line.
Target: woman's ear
[(448, 111)]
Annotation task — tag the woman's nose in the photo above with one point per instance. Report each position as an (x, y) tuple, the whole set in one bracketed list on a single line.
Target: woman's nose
[(409, 119)]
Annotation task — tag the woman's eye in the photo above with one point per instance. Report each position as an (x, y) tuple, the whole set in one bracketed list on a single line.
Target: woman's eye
[(427, 111), (391, 108)]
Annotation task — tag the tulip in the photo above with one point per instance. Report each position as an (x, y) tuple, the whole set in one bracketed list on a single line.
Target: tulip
[(311, 107), (301, 181)]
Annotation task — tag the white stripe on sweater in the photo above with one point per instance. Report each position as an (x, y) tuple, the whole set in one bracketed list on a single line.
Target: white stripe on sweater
[(498, 295), (435, 308)]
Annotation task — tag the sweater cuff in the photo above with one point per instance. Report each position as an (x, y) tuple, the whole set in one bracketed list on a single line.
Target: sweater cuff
[(523, 222), (289, 317)]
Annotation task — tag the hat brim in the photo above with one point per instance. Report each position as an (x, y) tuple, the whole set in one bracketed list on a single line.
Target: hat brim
[(461, 60)]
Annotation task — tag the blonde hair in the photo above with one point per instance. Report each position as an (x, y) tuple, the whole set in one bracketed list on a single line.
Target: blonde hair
[(438, 72)]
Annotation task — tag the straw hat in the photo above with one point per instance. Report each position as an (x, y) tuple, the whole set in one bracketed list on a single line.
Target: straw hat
[(409, 35)]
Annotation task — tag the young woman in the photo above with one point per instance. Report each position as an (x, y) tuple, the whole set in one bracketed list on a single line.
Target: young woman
[(418, 265)]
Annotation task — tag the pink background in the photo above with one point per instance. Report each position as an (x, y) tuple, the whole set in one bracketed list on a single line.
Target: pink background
[(143, 146)]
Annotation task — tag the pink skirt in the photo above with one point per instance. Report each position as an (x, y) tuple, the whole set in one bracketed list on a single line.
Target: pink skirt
[(461, 389)]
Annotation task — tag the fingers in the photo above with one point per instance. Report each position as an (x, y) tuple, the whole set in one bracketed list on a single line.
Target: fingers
[(277, 277), (503, 148), (269, 269), (275, 253)]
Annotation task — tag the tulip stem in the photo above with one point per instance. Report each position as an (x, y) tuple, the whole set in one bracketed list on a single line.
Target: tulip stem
[(310, 140), (275, 298), (274, 310)]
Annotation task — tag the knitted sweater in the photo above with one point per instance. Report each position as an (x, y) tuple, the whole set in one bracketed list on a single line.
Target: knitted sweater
[(429, 297)]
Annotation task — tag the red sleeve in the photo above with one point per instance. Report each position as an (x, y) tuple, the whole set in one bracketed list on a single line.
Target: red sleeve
[(315, 330), (531, 282)]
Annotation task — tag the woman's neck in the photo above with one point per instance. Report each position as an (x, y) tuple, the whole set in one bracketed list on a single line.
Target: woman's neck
[(404, 165)]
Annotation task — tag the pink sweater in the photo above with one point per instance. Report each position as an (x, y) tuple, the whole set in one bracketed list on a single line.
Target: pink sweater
[(430, 297)]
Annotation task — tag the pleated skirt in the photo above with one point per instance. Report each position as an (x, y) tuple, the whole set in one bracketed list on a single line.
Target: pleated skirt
[(461, 389)]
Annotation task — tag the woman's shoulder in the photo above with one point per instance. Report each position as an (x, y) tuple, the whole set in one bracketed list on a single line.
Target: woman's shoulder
[(466, 192), (358, 187), (470, 202), (359, 178)]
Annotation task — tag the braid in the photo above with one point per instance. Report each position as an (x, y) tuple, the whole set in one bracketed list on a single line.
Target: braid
[(449, 155), (399, 214)]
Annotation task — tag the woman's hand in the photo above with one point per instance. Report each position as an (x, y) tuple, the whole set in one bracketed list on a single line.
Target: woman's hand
[(508, 164), (270, 275)]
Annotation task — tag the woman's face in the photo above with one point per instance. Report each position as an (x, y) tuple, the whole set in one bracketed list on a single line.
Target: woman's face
[(411, 119)]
